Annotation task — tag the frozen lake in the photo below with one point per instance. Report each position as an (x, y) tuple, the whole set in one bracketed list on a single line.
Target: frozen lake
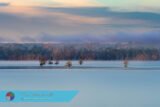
[(97, 87)]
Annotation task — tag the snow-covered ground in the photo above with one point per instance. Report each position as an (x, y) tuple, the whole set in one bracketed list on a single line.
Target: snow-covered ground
[(114, 88)]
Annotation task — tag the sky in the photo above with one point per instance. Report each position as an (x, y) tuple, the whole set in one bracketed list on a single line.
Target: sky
[(79, 21)]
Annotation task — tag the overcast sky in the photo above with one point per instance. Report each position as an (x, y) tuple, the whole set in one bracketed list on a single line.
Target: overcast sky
[(79, 20)]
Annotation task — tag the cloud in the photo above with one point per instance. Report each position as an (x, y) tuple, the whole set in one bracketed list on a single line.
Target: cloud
[(4, 4), (76, 3), (108, 12), (39, 24), (54, 3), (151, 37)]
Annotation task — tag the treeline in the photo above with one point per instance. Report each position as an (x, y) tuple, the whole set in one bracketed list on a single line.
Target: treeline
[(75, 52)]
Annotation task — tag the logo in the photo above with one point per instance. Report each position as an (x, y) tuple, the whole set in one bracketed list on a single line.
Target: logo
[(10, 96)]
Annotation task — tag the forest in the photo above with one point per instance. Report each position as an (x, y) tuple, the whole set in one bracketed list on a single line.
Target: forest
[(76, 51)]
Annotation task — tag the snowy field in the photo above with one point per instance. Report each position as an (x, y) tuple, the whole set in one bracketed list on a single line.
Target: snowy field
[(112, 86)]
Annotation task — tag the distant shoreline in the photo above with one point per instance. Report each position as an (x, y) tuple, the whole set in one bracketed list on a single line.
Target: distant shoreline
[(76, 67), (87, 60)]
